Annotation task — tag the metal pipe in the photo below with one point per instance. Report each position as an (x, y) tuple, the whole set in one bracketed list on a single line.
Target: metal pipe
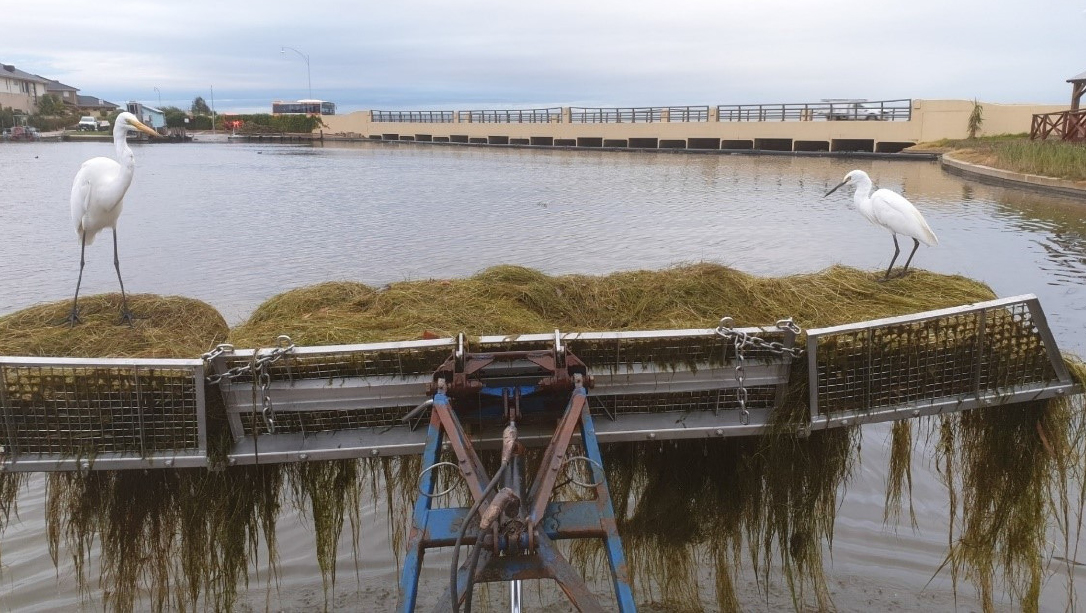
[(514, 596)]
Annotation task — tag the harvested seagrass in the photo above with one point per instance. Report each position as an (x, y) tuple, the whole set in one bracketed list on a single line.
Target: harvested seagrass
[(512, 299), (767, 503), (165, 327), (175, 533), (1009, 470)]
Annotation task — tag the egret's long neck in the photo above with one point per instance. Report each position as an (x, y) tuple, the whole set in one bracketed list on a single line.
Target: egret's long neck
[(124, 152), (862, 196)]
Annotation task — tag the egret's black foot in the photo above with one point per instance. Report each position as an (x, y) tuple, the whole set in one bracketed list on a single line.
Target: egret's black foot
[(72, 319), (884, 279), (127, 317)]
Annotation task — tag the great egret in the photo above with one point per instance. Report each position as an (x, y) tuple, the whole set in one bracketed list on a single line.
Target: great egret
[(891, 211), (97, 198)]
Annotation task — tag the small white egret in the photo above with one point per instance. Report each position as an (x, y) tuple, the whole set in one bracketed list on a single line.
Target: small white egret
[(97, 198), (892, 211)]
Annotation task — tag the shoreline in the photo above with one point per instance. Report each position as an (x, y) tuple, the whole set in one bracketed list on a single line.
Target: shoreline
[(1010, 178)]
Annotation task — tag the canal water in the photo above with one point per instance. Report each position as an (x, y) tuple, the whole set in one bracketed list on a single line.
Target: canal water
[(235, 224)]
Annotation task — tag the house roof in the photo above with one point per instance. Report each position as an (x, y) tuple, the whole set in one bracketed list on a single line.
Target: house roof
[(52, 85), (1078, 77), (11, 72), (91, 101)]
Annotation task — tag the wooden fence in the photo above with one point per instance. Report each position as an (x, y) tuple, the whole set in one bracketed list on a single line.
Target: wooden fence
[(1066, 125)]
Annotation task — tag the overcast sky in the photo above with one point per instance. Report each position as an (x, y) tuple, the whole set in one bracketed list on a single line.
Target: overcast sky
[(462, 54)]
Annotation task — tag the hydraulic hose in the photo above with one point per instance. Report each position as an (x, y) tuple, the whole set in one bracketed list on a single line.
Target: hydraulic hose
[(474, 562), (460, 537)]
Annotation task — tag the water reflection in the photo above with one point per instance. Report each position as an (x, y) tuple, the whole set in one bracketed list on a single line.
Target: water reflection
[(236, 224)]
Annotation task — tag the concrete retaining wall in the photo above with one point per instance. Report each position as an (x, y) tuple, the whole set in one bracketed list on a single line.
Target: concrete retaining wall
[(930, 120)]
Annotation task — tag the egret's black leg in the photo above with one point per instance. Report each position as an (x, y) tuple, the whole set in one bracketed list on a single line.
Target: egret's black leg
[(897, 250), (916, 245), (126, 315), (73, 317)]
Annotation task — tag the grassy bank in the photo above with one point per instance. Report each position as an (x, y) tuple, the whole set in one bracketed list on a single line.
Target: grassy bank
[(1017, 153)]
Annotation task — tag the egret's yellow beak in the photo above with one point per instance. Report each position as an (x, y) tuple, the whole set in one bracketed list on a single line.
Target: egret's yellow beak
[(143, 128)]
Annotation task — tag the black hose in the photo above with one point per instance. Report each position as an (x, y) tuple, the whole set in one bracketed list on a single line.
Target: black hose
[(460, 537), (474, 562)]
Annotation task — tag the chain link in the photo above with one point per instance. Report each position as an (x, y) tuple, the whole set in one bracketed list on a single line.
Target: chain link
[(748, 341), (267, 411), (285, 346), (743, 341), (739, 342), (258, 368)]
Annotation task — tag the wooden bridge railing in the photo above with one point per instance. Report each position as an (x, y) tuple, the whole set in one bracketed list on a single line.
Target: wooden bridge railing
[(1065, 125)]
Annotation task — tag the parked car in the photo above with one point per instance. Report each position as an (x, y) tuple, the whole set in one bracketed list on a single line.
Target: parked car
[(87, 123), (103, 124), (852, 111)]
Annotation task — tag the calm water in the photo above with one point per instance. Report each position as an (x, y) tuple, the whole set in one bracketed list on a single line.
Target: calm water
[(235, 224)]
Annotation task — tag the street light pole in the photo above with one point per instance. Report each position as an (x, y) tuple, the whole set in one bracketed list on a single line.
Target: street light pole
[(308, 74)]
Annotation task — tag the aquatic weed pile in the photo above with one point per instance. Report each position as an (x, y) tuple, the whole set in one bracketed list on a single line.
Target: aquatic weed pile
[(184, 538)]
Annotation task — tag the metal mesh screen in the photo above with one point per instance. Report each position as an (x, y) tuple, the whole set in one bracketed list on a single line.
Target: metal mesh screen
[(685, 352), (81, 411), (761, 397), (397, 363), (312, 422), (970, 352)]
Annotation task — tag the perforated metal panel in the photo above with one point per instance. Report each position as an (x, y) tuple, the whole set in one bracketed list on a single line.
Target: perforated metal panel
[(992, 352), (114, 413)]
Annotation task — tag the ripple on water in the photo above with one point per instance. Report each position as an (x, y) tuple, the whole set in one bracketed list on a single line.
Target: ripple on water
[(235, 224)]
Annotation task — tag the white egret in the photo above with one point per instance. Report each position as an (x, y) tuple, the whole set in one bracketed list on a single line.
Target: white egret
[(889, 210), (97, 198)]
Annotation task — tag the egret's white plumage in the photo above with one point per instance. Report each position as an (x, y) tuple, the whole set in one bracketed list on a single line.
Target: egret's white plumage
[(889, 210), (98, 198)]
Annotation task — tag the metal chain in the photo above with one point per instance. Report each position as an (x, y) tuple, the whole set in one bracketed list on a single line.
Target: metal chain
[(742, 341), (726, 330), (285, 346), (740, 376), (260, 371)]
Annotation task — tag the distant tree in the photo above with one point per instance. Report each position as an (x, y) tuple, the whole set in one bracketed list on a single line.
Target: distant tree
[(7, 117), (976, 119), (51, 105), (200, 122), (175, 117), (199, 107)]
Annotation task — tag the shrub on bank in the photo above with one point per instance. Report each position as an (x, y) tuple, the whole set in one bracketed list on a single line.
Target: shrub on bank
[(265, 123)]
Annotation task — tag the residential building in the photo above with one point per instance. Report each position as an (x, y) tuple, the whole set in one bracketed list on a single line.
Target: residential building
[(90, 104), (68, 95), (147, 114), (20, 90)]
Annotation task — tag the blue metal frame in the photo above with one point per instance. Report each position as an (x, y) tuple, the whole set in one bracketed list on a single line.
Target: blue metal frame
[(420, 524), (616, 557), (561, 520)]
